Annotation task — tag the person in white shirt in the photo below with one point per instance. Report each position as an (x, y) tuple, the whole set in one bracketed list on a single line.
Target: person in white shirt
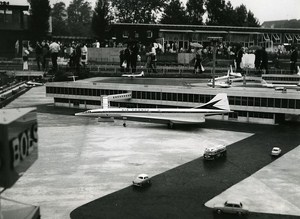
[(54, 48), (84, 55), (152, 59)]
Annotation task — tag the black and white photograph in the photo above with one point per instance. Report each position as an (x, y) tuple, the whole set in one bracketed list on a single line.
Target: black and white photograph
[(149, 109)]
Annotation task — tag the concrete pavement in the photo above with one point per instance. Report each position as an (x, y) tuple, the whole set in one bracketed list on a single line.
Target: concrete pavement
[(81, 160)]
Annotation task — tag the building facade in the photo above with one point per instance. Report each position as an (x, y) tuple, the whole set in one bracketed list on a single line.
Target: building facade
[(183, 35), (252, 105), (13, 28)]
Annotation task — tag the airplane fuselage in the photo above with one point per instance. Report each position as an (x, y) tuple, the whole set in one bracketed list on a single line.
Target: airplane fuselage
[(174, 115)]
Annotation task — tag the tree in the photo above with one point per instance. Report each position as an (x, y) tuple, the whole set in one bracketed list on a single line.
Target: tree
[(59, 19), (101, 19), (222, 14), (195, 11), (39, 19), (251, 20), (241, 16), (174, 13), (215, 12), (79, 17), (137, 11)]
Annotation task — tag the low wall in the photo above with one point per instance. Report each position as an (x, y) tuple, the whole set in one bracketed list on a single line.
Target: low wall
[(104, 54)]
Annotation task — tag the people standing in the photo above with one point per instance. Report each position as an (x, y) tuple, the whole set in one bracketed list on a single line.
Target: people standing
[(38, 54), (122, 59), (257, 60), (25, 53), (77, 57), (127, 58), (84, 55), (238, 59), (54, 50), (293, 60), (133, 56), (264, 60), (45, 55), (152, 59), (198, 61), (97, 44)]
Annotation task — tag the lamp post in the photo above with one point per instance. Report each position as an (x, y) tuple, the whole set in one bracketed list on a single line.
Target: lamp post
[(214, 41)]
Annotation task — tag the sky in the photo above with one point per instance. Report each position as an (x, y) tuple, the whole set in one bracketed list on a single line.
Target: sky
[(264, 10)]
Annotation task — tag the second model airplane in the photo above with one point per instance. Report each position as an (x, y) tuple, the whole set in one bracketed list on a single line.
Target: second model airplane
[(170, 116)]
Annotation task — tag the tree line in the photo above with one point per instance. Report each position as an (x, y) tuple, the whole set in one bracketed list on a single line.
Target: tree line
[(79, 19)]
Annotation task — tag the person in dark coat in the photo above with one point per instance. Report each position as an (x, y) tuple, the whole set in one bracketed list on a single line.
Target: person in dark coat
[(264, 60), (45, 55), (38, 54), (127, 58), (238, 60), (293, 60), (133, 56), (257, 60), (122, 59), (198, 60), (77, 57)]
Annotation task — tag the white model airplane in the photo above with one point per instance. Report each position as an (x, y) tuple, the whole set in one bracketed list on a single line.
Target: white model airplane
[(134, 75), (225, 81), (218, 105), (73, 76), (280, 86), (33, 84)]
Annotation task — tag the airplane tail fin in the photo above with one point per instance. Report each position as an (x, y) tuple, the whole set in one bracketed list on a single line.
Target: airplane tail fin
[(263, 82), (219, 102)]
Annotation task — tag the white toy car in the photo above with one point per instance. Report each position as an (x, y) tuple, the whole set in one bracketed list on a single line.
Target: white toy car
[(232, 207), (276, 151), (141, 180)]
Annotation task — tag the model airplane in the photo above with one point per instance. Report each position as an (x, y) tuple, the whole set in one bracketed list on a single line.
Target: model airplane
[(218, 105), (134, 75), (225, 81), (280, 86), (73, 77), (33, 84)]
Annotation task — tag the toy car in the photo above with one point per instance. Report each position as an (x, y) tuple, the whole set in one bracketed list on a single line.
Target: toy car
[(232, 207), (276, 151), (141, 180)]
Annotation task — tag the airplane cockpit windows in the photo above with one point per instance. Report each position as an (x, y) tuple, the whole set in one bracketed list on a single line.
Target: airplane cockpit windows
[(89, 111)]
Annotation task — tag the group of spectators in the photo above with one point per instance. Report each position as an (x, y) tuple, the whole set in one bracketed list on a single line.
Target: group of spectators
[(75, 52), (262, 60), (129, 57)]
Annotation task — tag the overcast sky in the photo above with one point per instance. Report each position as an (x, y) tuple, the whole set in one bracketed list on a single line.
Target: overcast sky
[(264, 10)]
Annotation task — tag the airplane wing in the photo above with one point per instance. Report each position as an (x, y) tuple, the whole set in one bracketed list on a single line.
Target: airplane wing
[(176, 119)]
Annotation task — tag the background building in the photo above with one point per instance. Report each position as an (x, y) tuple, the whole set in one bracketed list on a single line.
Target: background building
[(13, 27)]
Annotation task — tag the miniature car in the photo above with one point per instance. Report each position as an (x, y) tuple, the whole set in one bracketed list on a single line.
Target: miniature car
[(276, 151), (232, 207), (141, 180)]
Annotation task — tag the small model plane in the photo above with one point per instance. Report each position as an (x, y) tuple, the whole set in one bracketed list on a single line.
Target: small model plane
[(33, 84), (225, 81), (134, 75)]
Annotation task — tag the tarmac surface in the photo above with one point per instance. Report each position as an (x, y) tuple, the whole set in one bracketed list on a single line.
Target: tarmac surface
[(85, 168)]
